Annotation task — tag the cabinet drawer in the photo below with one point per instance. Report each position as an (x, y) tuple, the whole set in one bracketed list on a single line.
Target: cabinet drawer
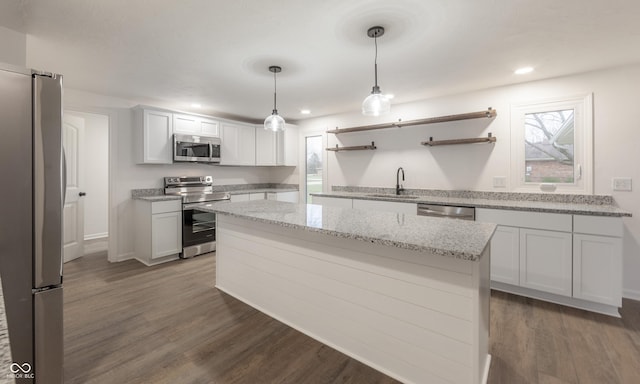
[(598, 225), (166, 206), (521, 219)]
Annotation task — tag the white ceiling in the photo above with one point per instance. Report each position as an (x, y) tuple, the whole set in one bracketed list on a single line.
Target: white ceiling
[(217, 52)]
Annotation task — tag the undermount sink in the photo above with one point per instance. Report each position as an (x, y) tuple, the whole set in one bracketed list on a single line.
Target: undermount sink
[(393, 196)]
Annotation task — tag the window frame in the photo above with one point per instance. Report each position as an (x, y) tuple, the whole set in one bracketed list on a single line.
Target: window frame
[(583, 144)]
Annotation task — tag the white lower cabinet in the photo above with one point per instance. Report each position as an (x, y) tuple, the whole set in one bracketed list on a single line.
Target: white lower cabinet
[(290, 196), (158, 231), (332, 201), (505, 255), (386, 206), (545, 261), (597, 259), (578, 263), (247, 196)]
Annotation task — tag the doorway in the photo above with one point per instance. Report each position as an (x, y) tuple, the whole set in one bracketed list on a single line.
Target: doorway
[(86, 212), (314, 165)]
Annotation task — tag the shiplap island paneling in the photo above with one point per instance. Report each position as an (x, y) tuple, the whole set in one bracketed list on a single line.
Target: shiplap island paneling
[(417, 316)]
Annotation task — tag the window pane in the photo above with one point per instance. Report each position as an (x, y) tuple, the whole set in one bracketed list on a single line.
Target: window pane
[(549, 147), (313, 165)]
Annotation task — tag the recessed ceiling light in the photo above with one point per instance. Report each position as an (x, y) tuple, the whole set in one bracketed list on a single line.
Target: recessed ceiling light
[(305, 111), (390, 96), (523, 70), (196, 105)]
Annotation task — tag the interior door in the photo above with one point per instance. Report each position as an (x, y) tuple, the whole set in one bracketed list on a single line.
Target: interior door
[(73, 137)]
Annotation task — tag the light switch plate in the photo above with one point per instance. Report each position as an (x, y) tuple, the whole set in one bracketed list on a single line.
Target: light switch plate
[(499, 181), (621, 184)]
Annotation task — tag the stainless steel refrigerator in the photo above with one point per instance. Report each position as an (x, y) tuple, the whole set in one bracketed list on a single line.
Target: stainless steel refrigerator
[(32, 177)]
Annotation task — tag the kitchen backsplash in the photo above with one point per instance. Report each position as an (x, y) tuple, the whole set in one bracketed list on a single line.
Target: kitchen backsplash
[(217, 188), (544, 197)]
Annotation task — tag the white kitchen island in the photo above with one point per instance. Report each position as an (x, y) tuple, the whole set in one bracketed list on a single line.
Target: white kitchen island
[(404, 294)]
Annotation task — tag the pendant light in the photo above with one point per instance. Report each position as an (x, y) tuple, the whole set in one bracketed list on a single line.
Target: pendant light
[(376, 103), (274, 122)]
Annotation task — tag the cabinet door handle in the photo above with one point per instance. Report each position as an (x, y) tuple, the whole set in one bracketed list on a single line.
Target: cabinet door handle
[(82, 194)]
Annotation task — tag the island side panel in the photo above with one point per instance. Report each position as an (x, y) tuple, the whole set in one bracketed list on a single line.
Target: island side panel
[(482, 311), (411, 315)]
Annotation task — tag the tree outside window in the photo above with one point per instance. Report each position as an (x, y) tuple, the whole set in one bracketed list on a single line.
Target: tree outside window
[(552, 145), (549, 147)]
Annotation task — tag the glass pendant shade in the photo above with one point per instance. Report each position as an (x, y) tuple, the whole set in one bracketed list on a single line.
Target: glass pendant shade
[(274, 122), (376, 104)]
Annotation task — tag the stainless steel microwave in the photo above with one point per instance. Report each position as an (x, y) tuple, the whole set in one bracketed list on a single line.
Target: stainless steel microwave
[(196, 149)]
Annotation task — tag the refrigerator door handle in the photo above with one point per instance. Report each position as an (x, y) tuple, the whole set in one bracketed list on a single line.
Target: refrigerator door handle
[(47, 192), (63, 187)]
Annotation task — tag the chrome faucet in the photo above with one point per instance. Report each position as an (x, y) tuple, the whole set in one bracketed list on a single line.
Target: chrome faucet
[(398, 186)]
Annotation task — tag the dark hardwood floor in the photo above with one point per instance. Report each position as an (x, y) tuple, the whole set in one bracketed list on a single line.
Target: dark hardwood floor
[(128, 323)]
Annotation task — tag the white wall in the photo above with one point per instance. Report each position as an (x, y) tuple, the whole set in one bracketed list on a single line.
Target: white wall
[(14, 47), (472, 167)]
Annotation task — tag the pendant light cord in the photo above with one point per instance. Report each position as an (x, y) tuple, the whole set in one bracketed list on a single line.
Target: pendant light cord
[(375, 60), (275, 92)]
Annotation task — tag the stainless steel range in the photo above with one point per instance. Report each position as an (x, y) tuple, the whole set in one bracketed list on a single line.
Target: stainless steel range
[(198, 226)]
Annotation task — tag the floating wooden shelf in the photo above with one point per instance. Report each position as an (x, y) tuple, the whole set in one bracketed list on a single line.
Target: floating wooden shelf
[(489, 113), (354, 148), (433, 143)]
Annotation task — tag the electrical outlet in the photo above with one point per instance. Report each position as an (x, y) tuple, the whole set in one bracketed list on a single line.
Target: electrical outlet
[(500, 181), (621, 183)]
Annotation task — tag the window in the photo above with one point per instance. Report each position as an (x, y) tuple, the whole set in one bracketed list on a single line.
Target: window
[(552, 145), (313, 165)]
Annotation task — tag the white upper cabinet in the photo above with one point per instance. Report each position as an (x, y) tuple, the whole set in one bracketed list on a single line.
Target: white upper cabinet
[(153, 136), (242, 143), (238, 144), (266, 146), (277, 148), (290, 143), (195, 125)]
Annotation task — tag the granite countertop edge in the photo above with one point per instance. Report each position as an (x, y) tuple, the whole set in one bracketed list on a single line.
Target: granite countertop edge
[(157, 198), (462, 247), (157, 194), (261, 190), (368, 239), (531, 206)]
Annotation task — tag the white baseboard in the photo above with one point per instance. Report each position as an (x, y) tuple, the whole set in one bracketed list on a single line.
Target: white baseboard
[(604, 309), (123, 257), (631, 294), (94, 236)]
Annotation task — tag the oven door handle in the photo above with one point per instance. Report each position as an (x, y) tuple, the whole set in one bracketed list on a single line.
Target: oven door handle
[(196, 205)]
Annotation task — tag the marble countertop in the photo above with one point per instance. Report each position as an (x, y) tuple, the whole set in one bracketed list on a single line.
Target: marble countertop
[(464, 240), (518, 205), (5, 346)]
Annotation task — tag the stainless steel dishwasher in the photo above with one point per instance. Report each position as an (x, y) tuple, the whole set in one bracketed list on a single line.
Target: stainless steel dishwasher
[(447, 211)]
